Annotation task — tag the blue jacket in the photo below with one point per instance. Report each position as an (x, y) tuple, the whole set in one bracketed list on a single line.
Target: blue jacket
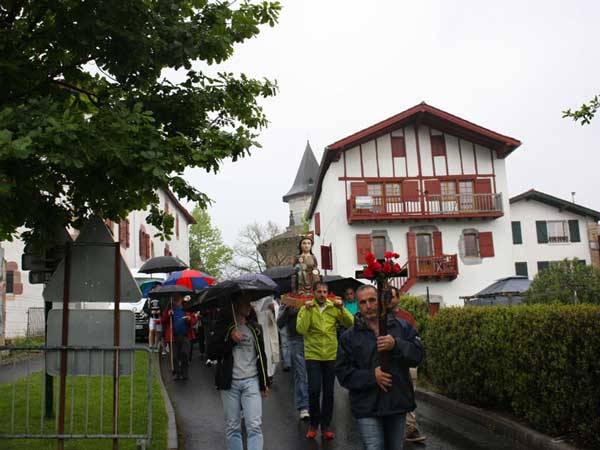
[(356, 362)]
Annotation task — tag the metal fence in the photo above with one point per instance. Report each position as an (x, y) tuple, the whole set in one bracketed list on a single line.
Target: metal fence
[(30, 400), (36, 322)]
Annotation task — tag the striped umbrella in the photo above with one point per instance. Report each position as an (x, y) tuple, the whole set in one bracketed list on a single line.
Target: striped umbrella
[(192, 279)]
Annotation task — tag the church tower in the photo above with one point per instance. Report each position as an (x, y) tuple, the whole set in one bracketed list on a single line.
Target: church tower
[(299, 196)]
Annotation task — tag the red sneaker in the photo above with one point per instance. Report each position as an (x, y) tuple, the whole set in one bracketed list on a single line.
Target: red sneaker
[(312, 433), (328, 435)]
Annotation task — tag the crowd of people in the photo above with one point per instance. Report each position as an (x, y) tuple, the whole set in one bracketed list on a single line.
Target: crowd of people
[(323, 339)]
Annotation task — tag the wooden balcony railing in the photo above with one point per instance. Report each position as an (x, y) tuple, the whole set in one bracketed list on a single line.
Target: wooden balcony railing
[(424, 206), (434, 266)]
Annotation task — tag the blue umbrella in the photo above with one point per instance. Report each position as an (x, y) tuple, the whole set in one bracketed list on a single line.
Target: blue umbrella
[(147, 286)]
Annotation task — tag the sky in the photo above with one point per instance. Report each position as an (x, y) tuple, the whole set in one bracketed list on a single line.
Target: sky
[(342, 65)]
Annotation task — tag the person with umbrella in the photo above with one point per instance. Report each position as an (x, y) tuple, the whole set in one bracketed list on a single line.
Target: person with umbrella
[(241, 375), (179, 331)]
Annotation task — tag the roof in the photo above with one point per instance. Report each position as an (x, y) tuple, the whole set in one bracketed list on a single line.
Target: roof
[(550, 200), (190, 219), (418, 114), (305, 181), (508, 285)]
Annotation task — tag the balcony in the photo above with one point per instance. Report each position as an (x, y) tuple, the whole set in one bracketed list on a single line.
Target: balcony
[(442, 266), (424, 206)]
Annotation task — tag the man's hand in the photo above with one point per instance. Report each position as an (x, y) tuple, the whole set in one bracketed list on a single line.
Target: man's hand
[(237, 337), (170, 312), (186, 317), (308, 304), (383, 379), (385, 343), (338, 303), (265, 393)]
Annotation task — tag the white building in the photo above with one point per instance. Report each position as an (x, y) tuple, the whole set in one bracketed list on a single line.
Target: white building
[(137, 245), (427, 185), (547, 229)]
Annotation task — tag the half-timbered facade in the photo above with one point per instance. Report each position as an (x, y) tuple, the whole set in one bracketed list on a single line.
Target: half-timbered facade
[(426, 184)]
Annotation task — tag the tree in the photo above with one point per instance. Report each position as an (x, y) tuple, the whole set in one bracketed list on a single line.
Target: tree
[(248, 258), (208, 253), (567, 281), (90, 125), (586, 113)]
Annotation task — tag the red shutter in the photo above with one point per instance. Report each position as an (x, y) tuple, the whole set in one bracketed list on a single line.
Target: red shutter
[(147, 246), (433, 187), (398, 147), (410, 190), (326, 260), (141, 243), (177, 225), (483, 186), (438, 145), (363, 246), (318, 224), (359, 189), (486, 244), (411, 247), (122, 236), (437, 243), (127, 235)]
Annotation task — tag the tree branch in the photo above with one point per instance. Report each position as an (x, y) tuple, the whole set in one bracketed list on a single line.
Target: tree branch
[(70, 87)]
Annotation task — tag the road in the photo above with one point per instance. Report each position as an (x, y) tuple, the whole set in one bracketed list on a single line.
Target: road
[(200, 419)]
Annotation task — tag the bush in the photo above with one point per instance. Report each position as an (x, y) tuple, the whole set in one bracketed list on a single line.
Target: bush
[(563, 281), (539, 362), (419, 309)]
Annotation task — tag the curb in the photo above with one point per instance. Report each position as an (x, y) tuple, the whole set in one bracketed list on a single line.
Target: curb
[(172, 443), (530, 438)]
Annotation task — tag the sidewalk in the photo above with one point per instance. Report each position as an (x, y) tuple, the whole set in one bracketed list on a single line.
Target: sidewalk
[(13, 371)]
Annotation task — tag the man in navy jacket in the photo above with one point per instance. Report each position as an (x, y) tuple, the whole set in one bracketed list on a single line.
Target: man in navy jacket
[(379, 400)]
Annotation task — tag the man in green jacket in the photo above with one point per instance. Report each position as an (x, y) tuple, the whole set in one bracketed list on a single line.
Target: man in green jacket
[(317, 321)]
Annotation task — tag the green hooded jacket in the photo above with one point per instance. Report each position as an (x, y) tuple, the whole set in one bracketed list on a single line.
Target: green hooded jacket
[(320, 331)]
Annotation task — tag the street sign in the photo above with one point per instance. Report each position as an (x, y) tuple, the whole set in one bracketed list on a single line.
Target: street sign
[(92, 277), (42, 262), (89, 328)]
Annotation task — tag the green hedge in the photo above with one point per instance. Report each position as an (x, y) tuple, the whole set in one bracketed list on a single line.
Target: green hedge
[(418, 308), (539, 362)]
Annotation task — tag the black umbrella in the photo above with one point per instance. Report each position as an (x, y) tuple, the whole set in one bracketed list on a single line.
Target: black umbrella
[(163, 264), (164, 293), (338, 285), (221, 294)]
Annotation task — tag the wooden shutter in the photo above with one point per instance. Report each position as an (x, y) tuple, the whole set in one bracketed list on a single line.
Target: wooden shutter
[(141, 243), (318, 224), (483, 186), (127, 234), (438, 145), (363, 246), (437, 243), (398, 147), (483, 197), (147, 243), (542, 231), (516, 232), (177, 225), (410, 190), (359, 189), (411, 247), (326, 260), (521, 269), (433, 188), (574, 230), (486, 244), (122, 234)]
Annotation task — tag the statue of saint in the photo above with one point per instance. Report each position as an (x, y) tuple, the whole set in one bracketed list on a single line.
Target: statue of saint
[(306, 266)]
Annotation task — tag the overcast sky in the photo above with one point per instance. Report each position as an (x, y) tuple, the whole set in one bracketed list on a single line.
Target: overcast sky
[(511, 66)]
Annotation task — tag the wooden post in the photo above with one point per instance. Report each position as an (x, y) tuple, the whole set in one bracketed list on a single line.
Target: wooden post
[(64, 343), (383, 303)]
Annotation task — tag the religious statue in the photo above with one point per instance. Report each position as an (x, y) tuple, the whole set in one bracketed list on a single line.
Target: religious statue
[(306, 267)]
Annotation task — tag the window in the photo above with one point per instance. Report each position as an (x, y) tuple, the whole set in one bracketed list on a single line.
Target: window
[(448, 189), (471, 245), (424, 245), (558, 231), (392, 189), (10, 282), (374, 190), (521, 269), (542, 265), (378, 246), (516, 233), (465, 189)]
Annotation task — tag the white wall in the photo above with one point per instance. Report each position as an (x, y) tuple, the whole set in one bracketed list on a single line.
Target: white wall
[(17, 305), (528, 212)]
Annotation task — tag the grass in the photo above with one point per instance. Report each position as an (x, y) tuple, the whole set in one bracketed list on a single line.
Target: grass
[(75, 422), (10, 357)]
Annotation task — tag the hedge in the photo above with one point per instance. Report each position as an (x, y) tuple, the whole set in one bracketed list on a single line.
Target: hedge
[(541, 363), (418, 308)]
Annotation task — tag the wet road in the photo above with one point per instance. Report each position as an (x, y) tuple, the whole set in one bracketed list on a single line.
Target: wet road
[(200, 419)]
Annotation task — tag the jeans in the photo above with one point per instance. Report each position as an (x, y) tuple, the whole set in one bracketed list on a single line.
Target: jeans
[(296, 346), (284, 342), (382, 433), (181, 355), (244, 394), (321, 374)]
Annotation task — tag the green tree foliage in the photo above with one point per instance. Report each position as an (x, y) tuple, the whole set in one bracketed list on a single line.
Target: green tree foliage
[(538, 362), (88, 121), (208, 253), (566, 281), (585, 113)]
